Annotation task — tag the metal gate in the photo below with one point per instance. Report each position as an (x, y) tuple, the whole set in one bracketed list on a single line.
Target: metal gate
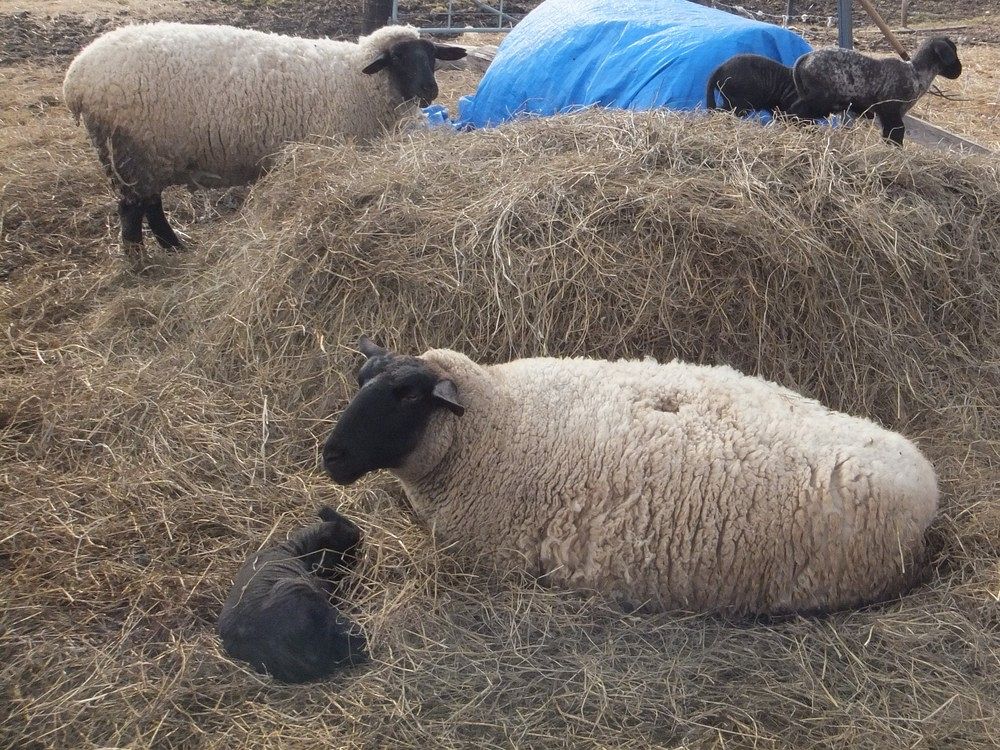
[(459, 17)]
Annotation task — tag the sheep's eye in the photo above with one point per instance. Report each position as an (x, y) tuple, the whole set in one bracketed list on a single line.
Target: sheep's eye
[(407, 393)]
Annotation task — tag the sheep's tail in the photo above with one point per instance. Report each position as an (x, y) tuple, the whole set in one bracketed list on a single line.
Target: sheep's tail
[(76, 110), (713, 83)]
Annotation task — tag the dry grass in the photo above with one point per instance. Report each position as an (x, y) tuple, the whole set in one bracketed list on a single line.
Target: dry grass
[(976, 114), (160, 428)]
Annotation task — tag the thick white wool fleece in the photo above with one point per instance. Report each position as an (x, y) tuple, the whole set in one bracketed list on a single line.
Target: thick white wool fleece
[(211, 105), (675, 485)]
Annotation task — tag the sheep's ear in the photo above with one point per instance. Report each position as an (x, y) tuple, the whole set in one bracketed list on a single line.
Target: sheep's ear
[(946, 51), (369, 348), (446, 52), (328, 514), (446, 394), (377, 64)]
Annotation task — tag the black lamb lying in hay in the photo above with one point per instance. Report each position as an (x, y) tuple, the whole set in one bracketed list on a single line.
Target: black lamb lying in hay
[(278, 615)]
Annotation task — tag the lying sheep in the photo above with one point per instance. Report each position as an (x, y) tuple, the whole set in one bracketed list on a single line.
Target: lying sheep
[(278, 615), (674, 485), (748, 83), (184, 104), (836, 80)]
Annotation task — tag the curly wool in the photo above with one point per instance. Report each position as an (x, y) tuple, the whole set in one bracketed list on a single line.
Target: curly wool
[(861, 82), (671, 485), (211, 105)]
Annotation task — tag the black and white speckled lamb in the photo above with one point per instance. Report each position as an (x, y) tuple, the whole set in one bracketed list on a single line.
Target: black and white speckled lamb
[(833, 80)]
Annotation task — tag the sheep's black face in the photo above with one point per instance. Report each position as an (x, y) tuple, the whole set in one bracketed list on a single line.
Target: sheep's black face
[(410, 66), (327, 548), (947, 55), (386, 419)]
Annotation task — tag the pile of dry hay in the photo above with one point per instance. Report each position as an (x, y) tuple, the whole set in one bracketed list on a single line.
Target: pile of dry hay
[(158, 434)]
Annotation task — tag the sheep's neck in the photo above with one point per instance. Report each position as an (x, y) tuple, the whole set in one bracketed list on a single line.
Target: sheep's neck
[(467, 500), (924, 71)]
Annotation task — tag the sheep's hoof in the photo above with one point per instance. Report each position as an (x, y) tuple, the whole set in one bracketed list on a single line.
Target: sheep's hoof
[(135, 256)]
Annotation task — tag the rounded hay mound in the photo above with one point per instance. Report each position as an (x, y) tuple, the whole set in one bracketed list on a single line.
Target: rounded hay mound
[(160, 433), (859, 275)]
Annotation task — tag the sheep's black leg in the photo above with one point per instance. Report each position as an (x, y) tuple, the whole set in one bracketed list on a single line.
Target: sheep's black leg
[(159, 225), (130, 212), (804, 109), (893, 128)]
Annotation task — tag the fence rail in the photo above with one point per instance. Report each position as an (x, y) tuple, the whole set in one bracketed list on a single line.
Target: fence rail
[(459, 17)]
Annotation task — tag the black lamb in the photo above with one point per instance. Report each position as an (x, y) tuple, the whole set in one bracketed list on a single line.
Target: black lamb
[(752, 82), (278, 615)]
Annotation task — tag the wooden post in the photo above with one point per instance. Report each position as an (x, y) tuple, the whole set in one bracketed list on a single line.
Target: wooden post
[(884, 28), (904, 13), (376, 14), (845, 24), (789, 9)]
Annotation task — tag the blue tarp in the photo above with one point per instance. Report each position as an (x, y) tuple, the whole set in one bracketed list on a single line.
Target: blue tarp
[(630, 54)]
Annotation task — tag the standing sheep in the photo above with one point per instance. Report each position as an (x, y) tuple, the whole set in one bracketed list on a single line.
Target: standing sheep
[(677, 485), (748, 83), (278, 615), (833, 80), (184, 104)]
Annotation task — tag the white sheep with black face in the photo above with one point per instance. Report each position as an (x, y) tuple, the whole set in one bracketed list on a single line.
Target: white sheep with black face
[(188, 104), (678, 485), (834, 80)]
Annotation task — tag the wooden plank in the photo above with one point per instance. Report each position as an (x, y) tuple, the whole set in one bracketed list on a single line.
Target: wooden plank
[(934, 136), (479, 58)]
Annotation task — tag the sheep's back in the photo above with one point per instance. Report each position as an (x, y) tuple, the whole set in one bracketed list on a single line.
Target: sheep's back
[(209, 105), (699, 487), (854, 79)]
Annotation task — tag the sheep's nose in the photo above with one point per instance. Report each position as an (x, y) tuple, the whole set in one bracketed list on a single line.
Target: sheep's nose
[(428, 95), (333, 454)]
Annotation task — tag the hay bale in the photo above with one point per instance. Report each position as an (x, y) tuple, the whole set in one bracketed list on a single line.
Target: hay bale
[(169, 426), (849, 271)]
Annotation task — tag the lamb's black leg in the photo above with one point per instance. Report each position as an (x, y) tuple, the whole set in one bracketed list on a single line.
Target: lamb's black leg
[(159, 225), (806, 110), (130, 212), (893, 128)]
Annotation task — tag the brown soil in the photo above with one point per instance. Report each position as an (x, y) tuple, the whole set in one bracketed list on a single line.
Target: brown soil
[(59, 35), (979, 21), (58, 29)]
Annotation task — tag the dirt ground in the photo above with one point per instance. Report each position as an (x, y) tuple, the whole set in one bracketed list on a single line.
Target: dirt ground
[(968, 20)]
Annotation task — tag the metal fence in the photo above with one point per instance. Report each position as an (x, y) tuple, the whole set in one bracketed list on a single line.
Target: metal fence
[(458, 17), (494, 18)]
